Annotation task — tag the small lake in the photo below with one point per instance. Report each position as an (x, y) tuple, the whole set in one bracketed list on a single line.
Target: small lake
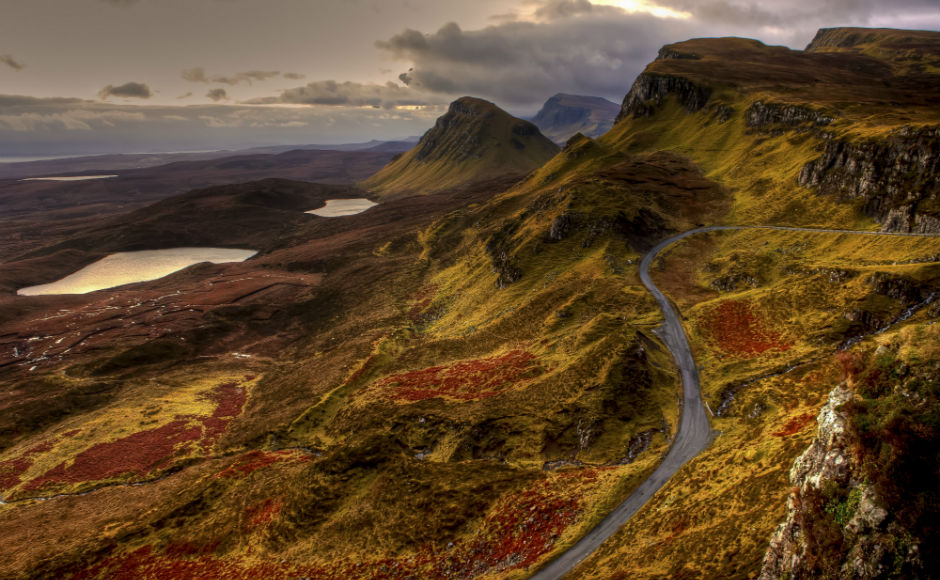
[(68, 178), (343, 207), (129, 267)]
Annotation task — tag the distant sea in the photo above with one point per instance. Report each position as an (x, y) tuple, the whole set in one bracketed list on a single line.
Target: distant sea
[(36, 158)]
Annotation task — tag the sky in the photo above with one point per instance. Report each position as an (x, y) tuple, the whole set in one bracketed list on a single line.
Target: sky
[(107, 76)]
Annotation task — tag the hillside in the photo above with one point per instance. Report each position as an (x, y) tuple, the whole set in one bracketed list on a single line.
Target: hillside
[(474, 141), (462, 383), (562, 116)]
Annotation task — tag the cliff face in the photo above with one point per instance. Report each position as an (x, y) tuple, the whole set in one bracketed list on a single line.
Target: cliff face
[(649, 90), (897, 179), (763, 115), (825, 488)]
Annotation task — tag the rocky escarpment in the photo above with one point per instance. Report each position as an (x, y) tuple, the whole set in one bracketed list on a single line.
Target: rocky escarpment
[(769, 116), (650, 89), (837, 526), (896, 180)]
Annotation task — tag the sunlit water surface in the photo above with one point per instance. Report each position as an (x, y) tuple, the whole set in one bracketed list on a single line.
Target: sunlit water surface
[(343, 207), (128, 267), (68, 178)]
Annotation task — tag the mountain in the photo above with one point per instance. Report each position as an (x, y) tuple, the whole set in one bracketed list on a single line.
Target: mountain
[(475, 140), (113, 162), (462, 384), (564, 115)]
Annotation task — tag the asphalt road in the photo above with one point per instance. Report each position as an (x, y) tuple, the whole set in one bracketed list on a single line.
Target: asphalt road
[(694, 432)]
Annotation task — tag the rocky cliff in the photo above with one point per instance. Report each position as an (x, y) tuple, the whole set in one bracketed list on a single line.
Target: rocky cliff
[(763, 115), (863, 502), (895, 179), (650, 89), (823, 478)]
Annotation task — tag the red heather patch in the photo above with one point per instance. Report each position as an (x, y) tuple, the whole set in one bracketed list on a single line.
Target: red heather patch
[(795, 424), (145, 451), (41, 448), (422, 300), (139, 453), (229, 399), (183, 549), (264, 512), (254, 460), (11, 469), (72, 433), (737, 330), (467, 380)]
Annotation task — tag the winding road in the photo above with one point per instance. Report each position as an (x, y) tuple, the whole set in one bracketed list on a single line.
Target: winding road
[(694, 433)]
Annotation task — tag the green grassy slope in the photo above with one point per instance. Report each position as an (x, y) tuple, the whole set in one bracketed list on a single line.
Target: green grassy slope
[(474, 141)]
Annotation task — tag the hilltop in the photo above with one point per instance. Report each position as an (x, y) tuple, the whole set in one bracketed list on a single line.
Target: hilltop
[(474, 141), (564, 115)]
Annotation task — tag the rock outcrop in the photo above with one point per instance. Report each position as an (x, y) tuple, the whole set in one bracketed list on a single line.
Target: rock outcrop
[(650, 89), (763, 115), (830, 507), (897, 180)]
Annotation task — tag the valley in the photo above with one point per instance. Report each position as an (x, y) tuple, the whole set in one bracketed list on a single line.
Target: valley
[(700, 344)]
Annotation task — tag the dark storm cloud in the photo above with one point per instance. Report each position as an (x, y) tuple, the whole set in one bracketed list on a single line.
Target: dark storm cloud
[(185, 95), (11, 62), (130, 90), (522, 63), (217, 95), (293, 76), (198, 75), (352, 94)]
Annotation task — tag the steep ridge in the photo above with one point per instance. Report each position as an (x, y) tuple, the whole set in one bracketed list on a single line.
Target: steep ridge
[(851, 121), (474, 141), (563, 115)]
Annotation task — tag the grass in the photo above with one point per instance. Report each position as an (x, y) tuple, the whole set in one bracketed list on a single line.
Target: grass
[(715, 517)]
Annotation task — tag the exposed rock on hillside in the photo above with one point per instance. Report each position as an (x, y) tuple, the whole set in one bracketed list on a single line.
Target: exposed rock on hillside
[(850, 514), (565, 115), (649, 90), (763, 115), (474, 141), (826, 465), (897, 179)]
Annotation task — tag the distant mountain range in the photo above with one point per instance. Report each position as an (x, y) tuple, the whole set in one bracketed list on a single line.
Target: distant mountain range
[(121, 161), (562, 116)]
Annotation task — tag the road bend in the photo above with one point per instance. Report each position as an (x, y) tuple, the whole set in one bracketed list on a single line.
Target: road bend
[(694, 433)]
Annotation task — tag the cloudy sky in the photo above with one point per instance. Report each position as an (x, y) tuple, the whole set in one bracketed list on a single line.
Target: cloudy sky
[(81, 76)]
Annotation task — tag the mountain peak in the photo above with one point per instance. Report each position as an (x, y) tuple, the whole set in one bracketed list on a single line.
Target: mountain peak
[(472, 141), (564, 115)]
